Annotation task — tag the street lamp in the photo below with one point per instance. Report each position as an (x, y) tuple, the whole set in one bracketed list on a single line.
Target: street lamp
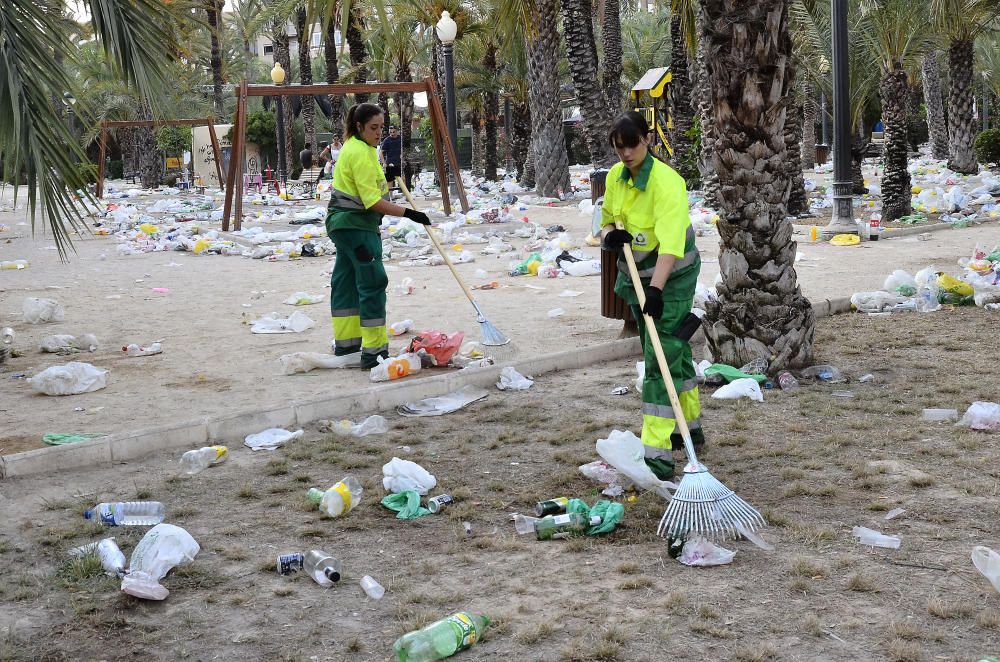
[(278, 77), (447, 30), (843, 202)]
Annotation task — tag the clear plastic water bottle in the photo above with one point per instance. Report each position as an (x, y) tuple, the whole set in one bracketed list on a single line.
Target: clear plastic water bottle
[(372, 588), (8, 335), (198, 460), (441, 639), (323, 568), (524, 524), (112, 558), (339, 499), (128, 513)]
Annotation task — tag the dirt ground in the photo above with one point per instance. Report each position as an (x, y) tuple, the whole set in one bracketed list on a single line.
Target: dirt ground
[(814, 463), (212, 364)]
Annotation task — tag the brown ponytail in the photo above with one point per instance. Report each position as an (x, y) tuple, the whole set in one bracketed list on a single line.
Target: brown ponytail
[(359, 114)]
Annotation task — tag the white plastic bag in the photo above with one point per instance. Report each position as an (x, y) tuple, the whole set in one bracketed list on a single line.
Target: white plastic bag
[(640, 371), (582, 268), (897, 279), (306, 361), (624, 452), (699, 552), (134, 350), (875, 538), (372, 425), (981, 416), (988, 563), (63, 343), (927, 290), (403, 475), (160, 550), (602, 472), (271, 323), (303, 299), (874, 302), (740, 388), (512, 380), (270, 439), (69, 379), (39, 311)]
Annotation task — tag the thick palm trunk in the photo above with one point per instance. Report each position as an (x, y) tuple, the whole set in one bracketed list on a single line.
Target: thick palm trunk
[(213, 12), (808, 151), (961, 126), (581, 51), (306, 78), (491, 111), (478, 156), (404, 101), (520, 140), (684, 160), (761, 312), (703, 102), (611, 38), (895, 94), (356, 46), (149, 159), (548, 144), (332, 77), (798, 203), (282, 56), (937, 123)]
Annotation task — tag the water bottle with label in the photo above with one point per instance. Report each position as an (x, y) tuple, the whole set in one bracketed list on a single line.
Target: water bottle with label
[(340, 498), (128, 513), (198, 460), (441, 639), (323, 568)]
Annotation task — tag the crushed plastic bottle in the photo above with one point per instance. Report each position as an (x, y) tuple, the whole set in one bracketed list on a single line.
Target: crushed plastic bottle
[(372, 588), (112, 558), (399, 328), (787, 381), (442, 639), (196, 461), (8, 335), (826, 373), (396, 368), (339, 499), (323, 568), (128, 513)]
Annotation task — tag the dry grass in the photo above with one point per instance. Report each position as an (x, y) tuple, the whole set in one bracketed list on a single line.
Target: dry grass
[(942, 609)]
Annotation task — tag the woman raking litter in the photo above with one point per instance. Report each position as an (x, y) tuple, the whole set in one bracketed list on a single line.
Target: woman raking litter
[(649, 199), (357, 203)]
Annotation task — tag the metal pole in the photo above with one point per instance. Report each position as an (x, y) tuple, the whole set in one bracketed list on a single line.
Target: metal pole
[(843, 212), (449, 96), (281, 141), (825, 118)]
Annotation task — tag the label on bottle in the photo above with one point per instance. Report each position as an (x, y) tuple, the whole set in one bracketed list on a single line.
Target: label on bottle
[(551, 506), (344, 493), (107, 514), (289, 563), (560, 520), (465, 629)]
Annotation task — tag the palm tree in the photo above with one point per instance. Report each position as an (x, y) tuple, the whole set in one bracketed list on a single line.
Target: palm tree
[(478, 81), (581, 51), (683, 41), (333, 73), (809, 109), (303, 31), (798, 202), (645, 44), (356, 45), (937, 123), (213, 13), (241, 22), (611, 40), (760, 312)]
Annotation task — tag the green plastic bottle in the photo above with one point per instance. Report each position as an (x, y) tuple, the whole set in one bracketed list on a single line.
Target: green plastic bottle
[(441, 639), (564, 526)]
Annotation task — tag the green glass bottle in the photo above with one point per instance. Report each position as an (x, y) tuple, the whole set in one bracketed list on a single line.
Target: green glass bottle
[(564, 526), (551, 506)]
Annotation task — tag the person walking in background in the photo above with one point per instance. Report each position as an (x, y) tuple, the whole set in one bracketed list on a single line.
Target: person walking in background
[(392, 156)]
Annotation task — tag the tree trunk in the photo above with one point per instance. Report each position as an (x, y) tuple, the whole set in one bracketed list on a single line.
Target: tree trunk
[(703, 101), (581, 51), (282, 55), (333, 77), (356, 46), (520, 140), (404, 101), (895, 93), (306, 78), (528, 171), (491, 111), (961, 126), (684, 160), (548, 144), (478, 157), (859, 146), (213, 12), (937, 123), (611, 36), (760, 312), (809, 110), (383, 103), (798, 202), (149, 159)]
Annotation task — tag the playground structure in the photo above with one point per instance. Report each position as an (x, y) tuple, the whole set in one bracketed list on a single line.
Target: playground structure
[(234, 203), (121, 124), (651, 95)]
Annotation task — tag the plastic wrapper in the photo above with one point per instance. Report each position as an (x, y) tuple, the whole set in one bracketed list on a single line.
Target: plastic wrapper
[(987, 562), (875, 538), (403, 475), (874, 302), (698, 551), (304, 299), (441, 346), (740, 388), (372, 425), (70, 379), (306, 361), (164, 547), (512, 380), (66, 344), (981, 416), (624, 451), (270, 439), (40, 311), (272, 323), (602, 472)]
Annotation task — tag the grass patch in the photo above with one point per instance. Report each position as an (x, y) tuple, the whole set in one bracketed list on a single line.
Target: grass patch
[(806, 567), (860, 583), (941, 609)]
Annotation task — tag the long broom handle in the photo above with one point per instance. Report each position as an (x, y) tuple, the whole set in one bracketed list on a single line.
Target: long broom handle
[(661, 358), (437, 245)]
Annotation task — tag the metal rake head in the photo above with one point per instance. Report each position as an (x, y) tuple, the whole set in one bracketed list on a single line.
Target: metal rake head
[(496, 345), (705, 506)]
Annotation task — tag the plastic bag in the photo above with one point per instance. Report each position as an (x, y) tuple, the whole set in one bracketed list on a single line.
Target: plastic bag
[(372, 425), (874, 302), (270, 439), (160, 550), (303, 299), (640, 371), (602, 472), (439, 345), (69, 379), (902, 282), (271, 323), (402, 475), (981, 416), (928, 290), (987, 562), (845, 240), (582, 268), (395, 368), (39, 311), (700, 552), (740, 388), (66, 344), (624, 451), (306, 361), (512, 380), (406, 505), (954, 199)]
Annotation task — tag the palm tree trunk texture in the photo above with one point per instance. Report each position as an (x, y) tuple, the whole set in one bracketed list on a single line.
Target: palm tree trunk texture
[(520, 141), (356, 46), (798, 202), (611, 38), (859, 145), (703, 101), (548, 143), (760, 312), (306, 78), (809, 110), (478, 157), (895, 93), (383, 103), (683, 161), (581, 51), (404, 101), (961, 127), (213, 12), (491, 112), (332, 77), (282, 56), (937, 123), (149, 158)]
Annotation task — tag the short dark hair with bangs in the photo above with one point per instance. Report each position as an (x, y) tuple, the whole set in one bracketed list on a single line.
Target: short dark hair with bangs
[(628, 130)]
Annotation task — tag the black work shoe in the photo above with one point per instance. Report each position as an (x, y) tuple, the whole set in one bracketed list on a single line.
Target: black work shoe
[(369, 361)]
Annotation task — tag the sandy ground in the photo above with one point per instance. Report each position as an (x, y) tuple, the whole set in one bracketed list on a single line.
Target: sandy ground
[(211, 363), (814, 463)]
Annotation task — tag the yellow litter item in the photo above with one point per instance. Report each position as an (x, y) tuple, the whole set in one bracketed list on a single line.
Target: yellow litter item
[(533, 267), (149, 228), (954, 285), (915, 190), (200, 246), (845, 240)]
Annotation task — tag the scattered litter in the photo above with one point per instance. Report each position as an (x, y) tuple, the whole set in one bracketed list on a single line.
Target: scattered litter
[(306, 361), (163, 547), (72, 378), (435, 504), (127, 513), (112, 558), (980, 416), (399, 328), (602, 472), (843, 394), (720, 372), (940, 415), (372, 425), (403, 475), (438, 346), (405, 504), (826, 373), (624, 451), (874, 538), (395, 368), (161, 290), (62, 438), (272, 323), (740, 388), (894, 513), (303, 299), (570, 293), (63, 343), (582, 268), (197, 460), (134, 350), (556, 312), (620, 390), (372, 588), (698, 551), (512, 380), (444, 404), (864, 379), (341, 498), (324, 569), (987, 562), (40, 311), (845, 240), (270, 439)]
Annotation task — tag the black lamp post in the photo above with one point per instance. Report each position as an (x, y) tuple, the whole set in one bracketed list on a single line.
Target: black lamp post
[(447, 30), (278, 77), (843, 204)]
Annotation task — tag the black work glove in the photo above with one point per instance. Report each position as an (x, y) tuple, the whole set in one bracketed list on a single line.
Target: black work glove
[(417, 216), (614, 240), (363, 254), (654, 302)]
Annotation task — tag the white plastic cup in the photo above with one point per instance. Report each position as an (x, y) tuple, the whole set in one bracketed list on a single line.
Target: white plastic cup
[(372, 588)]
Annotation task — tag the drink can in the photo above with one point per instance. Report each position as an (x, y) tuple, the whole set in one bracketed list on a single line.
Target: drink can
[(875, 228), (289, 563), (551, 506), (435, 504)]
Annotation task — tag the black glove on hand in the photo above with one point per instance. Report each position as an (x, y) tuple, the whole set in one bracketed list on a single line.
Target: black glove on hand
[(614, 240), (654, 302), (417, 216)]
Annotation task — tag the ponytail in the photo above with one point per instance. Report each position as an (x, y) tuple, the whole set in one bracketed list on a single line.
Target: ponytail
[(359, 113)]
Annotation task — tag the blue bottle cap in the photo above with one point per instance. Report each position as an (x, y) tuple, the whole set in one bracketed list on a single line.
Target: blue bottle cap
[(88, 514)]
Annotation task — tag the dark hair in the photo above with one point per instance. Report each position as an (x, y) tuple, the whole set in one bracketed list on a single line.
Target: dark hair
[(393, 126), (359, 114), (628, 130)]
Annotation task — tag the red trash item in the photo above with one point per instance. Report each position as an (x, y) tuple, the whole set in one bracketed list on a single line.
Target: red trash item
[(438, 345)]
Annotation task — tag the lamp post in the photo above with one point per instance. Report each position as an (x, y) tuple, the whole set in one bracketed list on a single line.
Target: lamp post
[(843, 203), (69, 100), (447, 30), (278, 77)]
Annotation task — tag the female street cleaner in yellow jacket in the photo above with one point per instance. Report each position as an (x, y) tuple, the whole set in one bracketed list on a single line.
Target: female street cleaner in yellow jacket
[(359, 199), (650, 200)]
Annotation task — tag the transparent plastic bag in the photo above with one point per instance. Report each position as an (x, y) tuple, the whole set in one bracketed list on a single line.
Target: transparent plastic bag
[(72, 378), (160, 550), (402, 476), (700, 552), (740, 388), (981, 416), (987, 562), (306, 361), (40, 311), (624, 451)]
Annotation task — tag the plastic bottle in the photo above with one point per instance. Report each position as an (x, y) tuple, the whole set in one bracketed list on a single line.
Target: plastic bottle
[(524, 524), (112, 558), (8, 335), (128, 513), (551, 506), (399, 328), (13, 264), (340, 498), (787, 381), (826, 373), (372, 588), (139, 350), (401, 366), (563, 526), (323, 568), (196, 461), (442, 639)]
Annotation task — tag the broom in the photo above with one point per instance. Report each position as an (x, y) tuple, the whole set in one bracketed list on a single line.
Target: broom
[(701, 504), (496, 345)]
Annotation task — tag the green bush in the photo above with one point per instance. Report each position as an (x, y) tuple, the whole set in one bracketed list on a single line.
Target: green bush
[(116, 169), (174, 140), (988, 147), (87, 172)]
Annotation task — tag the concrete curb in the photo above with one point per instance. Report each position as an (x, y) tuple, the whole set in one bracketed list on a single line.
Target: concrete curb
[(233, 427)]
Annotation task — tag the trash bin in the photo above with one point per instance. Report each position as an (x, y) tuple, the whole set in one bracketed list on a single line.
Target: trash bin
[(612, 305), (822, 152)]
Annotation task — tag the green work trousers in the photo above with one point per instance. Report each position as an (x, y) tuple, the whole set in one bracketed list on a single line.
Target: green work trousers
[(357, 295)]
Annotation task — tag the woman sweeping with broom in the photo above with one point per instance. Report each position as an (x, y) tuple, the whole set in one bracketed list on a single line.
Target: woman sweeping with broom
[(357, 202), (647, 201)]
